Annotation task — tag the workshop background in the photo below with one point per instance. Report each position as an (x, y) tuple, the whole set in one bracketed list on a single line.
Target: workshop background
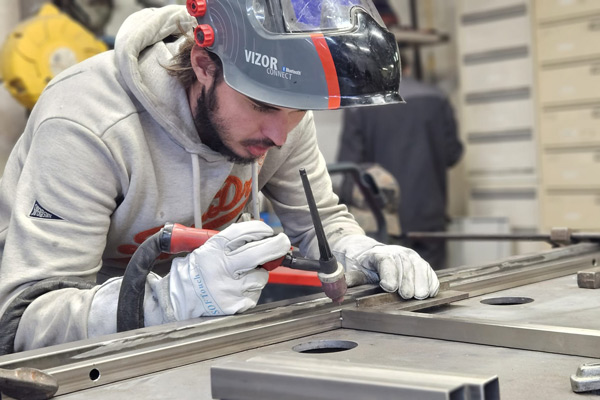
[(523, 77)]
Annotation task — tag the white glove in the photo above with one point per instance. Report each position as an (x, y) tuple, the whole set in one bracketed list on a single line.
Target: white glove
[(220, 277), (396, 268)]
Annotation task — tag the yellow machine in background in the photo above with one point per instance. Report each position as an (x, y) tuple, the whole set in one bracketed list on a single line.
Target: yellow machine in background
[(41, 47)]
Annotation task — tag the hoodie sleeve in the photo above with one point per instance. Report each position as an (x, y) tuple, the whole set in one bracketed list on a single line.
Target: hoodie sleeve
[(286, 193), (64, 197), (65, 194)]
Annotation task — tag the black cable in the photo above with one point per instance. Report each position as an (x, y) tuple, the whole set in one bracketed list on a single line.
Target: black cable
[(370, 191), (130, 308)]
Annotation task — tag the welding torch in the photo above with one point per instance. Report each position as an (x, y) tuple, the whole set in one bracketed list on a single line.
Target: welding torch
[(176, 238)]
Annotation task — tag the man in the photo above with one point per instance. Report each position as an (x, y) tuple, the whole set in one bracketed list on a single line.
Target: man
[(416, 142), (164, 130)]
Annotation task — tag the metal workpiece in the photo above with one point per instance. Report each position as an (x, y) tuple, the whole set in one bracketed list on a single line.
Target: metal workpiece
[(587, 378), (185, 350), (551, 315), (88, 364), (546, 338), (303, 312), (393, 301), (559, 236), (589, 279), (521, 270), (275, 377)]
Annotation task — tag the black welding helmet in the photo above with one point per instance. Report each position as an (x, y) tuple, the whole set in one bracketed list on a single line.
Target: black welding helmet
[(302, 54)]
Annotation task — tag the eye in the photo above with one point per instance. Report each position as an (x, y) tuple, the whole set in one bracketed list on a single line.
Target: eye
[(260, 108)]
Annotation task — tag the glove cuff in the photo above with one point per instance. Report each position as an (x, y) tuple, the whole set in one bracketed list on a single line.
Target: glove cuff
[(348, 250), (161, 289)]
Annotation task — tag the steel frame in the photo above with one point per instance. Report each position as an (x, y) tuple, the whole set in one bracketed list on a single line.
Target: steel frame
[(549, 339), (276, 377)]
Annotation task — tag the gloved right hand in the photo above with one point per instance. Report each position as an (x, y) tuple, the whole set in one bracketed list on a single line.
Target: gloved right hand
[(220, 277)]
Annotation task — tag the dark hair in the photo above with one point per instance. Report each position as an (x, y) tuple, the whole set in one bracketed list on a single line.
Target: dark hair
[(181, 66)]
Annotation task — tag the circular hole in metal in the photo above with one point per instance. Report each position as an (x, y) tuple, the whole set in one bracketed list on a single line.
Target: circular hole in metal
[(324, 346), (94, 374), (506, 301)]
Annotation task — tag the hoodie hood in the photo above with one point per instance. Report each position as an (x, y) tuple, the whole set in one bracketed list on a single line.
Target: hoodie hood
[(142, 56)]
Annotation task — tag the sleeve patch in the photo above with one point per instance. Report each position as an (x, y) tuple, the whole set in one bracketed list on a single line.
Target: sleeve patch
[(40, 212)]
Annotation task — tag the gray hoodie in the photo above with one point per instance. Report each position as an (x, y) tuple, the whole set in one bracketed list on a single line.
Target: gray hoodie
[(109, 155)]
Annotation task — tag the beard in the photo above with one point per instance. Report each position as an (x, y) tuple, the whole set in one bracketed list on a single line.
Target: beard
[(212, 131)]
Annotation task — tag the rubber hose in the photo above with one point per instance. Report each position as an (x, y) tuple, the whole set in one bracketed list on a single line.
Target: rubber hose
[(130, 308)]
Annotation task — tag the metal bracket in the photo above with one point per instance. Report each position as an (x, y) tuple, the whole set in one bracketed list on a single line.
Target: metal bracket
[(587, 378)]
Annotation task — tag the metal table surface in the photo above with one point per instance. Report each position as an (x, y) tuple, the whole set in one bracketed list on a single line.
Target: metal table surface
[(555, 302), (522, 374)]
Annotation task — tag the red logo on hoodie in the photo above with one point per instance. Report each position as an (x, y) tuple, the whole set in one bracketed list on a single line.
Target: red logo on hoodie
[(228, 203)]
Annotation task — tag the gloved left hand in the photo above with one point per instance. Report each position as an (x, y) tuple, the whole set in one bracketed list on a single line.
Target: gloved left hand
[(395, 268)]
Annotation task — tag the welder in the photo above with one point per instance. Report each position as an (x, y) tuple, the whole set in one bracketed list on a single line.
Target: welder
[(196, 110)]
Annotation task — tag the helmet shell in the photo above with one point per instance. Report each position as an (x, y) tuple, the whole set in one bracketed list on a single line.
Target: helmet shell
[(304, 68)]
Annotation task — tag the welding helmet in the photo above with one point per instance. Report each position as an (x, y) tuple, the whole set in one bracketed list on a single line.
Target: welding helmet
[(302, 54)]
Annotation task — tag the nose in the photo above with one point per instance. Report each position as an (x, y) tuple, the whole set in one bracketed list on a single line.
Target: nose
[(278, 124), (276, 127)]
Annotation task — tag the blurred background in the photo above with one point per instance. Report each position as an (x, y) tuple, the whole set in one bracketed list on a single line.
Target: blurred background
[(522, 76)]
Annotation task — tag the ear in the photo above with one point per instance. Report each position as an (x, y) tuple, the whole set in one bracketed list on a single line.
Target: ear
[(202, 65)]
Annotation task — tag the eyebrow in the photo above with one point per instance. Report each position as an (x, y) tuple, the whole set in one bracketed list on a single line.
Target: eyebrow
[(264, 105), (268, 106)]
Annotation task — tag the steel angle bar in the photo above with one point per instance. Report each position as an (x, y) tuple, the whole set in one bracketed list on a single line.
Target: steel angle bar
[(521, 270), (99, 361), (545, 338), (153, 337), (318, 301), (142, 354), (160, 335), (521, 261), (461, 283), (393, 300), (556, 236), (277, 377), (314, 306), (190, 350)]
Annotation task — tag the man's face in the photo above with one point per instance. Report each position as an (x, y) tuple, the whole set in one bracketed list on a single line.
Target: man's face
[(238, 127)]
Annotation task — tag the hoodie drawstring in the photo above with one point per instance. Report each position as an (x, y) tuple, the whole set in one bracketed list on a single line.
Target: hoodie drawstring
[(196, 191), (254, 200)]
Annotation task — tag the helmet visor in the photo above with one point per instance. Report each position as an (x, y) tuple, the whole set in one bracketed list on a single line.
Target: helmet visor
[(310, 15)]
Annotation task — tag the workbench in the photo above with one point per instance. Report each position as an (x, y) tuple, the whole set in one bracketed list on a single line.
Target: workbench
[(517, 328)]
